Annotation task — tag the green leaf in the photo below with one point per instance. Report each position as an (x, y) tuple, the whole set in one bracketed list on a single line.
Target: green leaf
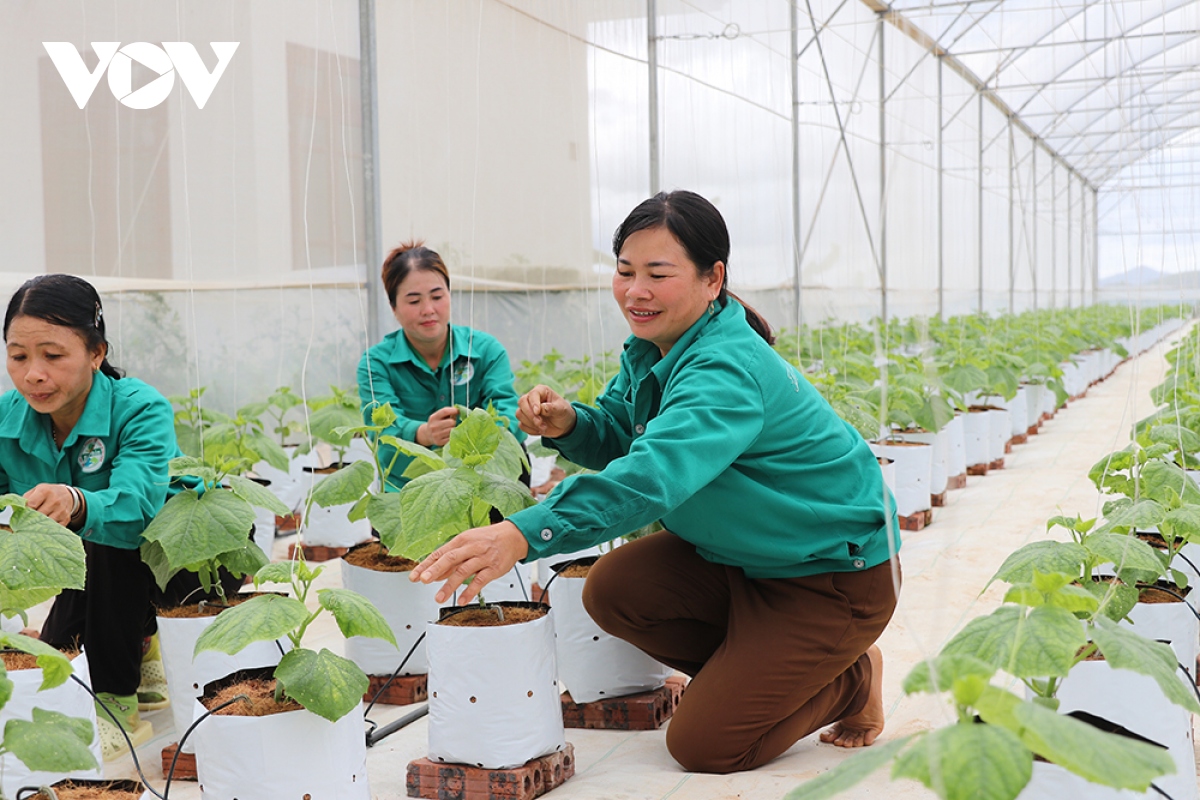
[(326, 684), (56, 668), (434, 508), (191, 466), (995, 707), (156, 559), (324, 422), (1045, 556), (382, 416), (356, 615), (278, 572), (346, 485), (245, 560), (194, 528), (968, 762), (1099, 757), (475, 437), (946, 669), (504, 494), (1042, 643), (429, 460), (1131, 557), (1163, 481), (51, 742), (40, 554), (257, 495), (268, 450), (1177, 436), (509, 458), (1124, 649), (385, 512), (1116, 599), (851, 771), (22, 599), (1141, 515), (1182, 523), (261, 619)]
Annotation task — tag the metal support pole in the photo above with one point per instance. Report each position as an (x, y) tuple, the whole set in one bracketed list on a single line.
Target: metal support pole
[(372, 220), (1082, 249), (1035, 258), (1012, 262), (794, 17), (1095, 244), (941, 219), (1053, 235), (652, 70), (1070, 300), (883, 265), (980, 209)]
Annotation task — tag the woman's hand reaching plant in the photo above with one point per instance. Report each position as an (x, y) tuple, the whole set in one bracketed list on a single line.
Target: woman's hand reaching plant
[(481, 554), (436, 431)]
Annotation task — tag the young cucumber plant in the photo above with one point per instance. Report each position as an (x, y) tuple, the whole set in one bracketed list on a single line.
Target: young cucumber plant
[(333, 421), (1046, 626), (448, 492), (324, 683), (206, 527), (38, 559)]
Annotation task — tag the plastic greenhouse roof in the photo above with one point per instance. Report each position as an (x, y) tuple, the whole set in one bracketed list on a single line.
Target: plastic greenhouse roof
[(1102, 82)]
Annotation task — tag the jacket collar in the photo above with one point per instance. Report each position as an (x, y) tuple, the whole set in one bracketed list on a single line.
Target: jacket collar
[(403, 352), (33, 429), (644, 357)]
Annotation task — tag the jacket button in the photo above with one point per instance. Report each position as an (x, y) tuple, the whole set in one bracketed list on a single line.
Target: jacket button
[(639, 428), (441, 398), (547, 534), (859, 563)]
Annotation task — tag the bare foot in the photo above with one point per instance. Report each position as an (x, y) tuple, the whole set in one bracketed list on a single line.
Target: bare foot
[(861, 729)]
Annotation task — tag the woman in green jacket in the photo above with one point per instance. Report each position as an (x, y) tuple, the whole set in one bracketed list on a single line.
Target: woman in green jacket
[(429, 366), (89, 449), (777, 570)]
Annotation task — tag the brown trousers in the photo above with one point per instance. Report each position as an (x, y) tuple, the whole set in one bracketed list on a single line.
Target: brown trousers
[(771, 660)]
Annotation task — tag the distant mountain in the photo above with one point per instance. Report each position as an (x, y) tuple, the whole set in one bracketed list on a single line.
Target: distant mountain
[(1138, 276)]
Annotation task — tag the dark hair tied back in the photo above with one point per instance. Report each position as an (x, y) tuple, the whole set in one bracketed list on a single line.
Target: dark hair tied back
[(702, 232), (64, 300), (410, 257)]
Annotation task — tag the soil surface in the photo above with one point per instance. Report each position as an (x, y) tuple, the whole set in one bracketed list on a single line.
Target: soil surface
[(16, 660), (575, 571), (73, 791), (261, 692), (208, 608), (476, 617), (372, 556)]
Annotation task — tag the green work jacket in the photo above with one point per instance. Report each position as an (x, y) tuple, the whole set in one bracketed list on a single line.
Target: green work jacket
[(117, 454), (474, 372), (731, 449)]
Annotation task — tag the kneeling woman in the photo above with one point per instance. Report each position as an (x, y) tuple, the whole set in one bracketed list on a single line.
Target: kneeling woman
[(89, 449), (776, 572)]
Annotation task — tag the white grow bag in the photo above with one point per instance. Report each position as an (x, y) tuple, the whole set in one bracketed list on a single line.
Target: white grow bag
[(1018, 412), (914, 470), (332, 528), (1135, 702), (888, 468), (999, 432), (292, 755), (493, 694), (186, 677), (1052, 782), (977, 438), (1033, 404), (408, 608), (940, 458), (593, 664), (70, 698), (957, 463)]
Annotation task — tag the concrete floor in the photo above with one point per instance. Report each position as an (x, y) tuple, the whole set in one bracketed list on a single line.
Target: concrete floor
[(945, 569)]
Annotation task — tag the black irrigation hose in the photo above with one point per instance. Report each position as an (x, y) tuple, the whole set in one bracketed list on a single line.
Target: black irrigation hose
[(521, 581), (1179, 554), (1160, 791), (395, 675), (132, 750), (546, 589), (188, 732)]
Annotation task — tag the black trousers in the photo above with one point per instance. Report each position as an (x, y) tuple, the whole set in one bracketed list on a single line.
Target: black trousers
[(115, 612)]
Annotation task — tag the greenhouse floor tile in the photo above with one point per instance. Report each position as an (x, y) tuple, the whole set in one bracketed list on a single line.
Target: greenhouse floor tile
[(946, 569)]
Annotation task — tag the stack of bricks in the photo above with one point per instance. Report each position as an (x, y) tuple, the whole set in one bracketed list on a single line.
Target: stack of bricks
[(917, 521), (185, 764), (435, 781), (404, 690), (644, 711)]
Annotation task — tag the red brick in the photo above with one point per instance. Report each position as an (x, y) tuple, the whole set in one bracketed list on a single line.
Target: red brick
[(916, 521), (539, 594), (997, 464), (185, 765), (438, 781), (937, 500), (1033, 429), (404, 690), (977, 469), (288, 524), (957, 481), (1020, 438), (645, 711), (1008, 446), (318, 552)]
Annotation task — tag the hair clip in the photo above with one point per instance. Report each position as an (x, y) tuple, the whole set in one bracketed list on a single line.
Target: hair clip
[(99, 315)]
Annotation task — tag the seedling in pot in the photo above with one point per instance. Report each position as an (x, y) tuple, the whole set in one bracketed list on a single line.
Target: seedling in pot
[(323, 682), (278, 406), (38, 559), (205, 528), (332, 421)]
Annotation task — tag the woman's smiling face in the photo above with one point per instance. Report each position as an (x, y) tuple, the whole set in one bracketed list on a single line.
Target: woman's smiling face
[(659, 289), (51, 366)]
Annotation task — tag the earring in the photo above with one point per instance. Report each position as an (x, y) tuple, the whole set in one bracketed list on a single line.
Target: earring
[(712, 307)]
